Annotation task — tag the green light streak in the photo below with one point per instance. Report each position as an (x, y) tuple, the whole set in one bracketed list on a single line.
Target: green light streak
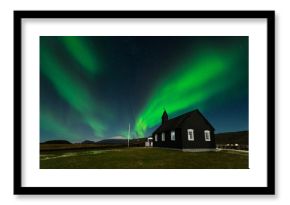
[(191, 86), (49, 122), (79, 49), (72, 91), (96, 125)]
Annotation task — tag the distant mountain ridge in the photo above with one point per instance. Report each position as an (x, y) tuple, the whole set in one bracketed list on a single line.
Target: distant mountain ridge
[(112, 141), (56, 142), (88, 142)]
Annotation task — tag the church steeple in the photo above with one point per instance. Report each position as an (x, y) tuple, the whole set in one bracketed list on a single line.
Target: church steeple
[(164, 117)]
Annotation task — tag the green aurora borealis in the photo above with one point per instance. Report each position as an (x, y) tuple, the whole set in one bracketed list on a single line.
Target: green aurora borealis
[(190, 86), (72, 91), (92, 87)]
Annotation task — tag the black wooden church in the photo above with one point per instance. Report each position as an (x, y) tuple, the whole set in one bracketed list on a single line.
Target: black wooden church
[(188, 132)]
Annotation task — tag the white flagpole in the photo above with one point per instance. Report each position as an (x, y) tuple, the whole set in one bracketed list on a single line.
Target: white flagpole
[(128, 134)]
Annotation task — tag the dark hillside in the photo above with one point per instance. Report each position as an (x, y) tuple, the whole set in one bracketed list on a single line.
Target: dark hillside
[(241, 138), (56, 142)]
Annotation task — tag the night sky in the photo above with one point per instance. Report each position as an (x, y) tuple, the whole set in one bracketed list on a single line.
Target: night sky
[(91, 88)]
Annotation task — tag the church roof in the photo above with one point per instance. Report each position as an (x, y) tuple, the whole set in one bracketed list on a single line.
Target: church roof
[(174, 123)]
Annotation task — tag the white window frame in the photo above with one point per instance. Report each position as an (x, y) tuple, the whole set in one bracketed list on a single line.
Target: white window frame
[(156, 137), (163, 136), (205, 136), (172, 135), (188, 135)]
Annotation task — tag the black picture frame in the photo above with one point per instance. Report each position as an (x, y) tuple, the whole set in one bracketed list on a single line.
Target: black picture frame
[(269, 189)]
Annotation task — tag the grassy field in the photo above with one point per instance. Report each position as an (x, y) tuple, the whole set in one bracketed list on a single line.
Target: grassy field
[(142, 158), (55, 147)]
